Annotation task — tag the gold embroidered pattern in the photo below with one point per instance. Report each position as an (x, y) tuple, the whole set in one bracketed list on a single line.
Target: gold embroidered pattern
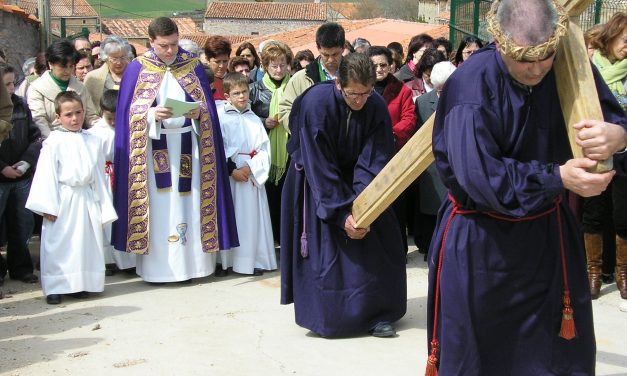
[(186, 166), (161, 161), (146, 89)]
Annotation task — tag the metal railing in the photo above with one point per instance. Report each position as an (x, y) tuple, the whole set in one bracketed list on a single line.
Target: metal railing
[(468, 17)]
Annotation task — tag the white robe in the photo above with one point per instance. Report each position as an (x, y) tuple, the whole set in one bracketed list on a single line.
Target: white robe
[(106, 134), (175, 248), (243, 133), (68, 184)]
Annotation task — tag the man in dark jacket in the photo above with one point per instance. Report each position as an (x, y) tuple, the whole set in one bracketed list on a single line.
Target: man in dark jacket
[(18, 156)]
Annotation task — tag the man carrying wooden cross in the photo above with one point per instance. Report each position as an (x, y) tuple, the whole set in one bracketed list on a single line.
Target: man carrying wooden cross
[(508, 293)]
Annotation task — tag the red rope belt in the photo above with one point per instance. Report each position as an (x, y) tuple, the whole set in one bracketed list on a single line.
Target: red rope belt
[(567, 330), (251, 154)]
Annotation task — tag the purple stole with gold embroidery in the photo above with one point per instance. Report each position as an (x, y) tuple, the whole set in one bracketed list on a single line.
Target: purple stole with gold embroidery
[(161, 161)]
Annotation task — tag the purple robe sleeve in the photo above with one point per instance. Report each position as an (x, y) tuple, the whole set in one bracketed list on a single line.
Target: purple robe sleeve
[(491, 180), (322, 147)]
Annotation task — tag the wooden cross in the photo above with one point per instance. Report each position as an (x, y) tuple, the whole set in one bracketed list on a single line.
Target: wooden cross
[(578, 99)]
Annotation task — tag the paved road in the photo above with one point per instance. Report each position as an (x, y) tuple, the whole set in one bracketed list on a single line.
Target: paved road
[(231, 326)]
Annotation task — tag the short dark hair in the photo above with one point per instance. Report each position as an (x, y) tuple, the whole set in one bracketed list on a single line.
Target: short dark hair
[(65, 97), (380, 50), (429, 58), (416, 43), (5, 69), (441, 41), (109, 100), (40, 63), (330, 35), (62, 52), (395, 46), (232, 80), (357, 68), (249, 46), (305, 55), (237, 60), (84, 55), (162, 27), (217, 45)]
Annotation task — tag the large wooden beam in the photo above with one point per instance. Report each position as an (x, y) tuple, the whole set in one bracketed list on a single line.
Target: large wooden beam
[(577, 90), (575, 7), (578, 98), (405, 167)]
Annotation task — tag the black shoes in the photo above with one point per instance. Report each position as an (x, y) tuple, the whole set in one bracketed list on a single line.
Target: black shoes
[(53, 299), (79, 295), (257, 272), (383, 329), (29, 278), (221, 272), (1, 281)]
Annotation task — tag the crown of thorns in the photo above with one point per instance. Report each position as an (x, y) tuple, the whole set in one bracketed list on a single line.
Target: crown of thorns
[(527, 53)]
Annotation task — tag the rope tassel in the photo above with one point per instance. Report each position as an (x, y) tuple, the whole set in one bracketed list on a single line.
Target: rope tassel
[(567, 331), (433, 359)]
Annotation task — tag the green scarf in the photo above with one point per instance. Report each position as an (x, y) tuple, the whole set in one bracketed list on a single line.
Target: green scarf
[(613, 74), (278, 134), (61, 84)]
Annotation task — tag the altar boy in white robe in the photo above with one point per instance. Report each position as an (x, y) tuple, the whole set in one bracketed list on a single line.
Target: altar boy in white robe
[(105, 130), (247, 150), (69, 191)]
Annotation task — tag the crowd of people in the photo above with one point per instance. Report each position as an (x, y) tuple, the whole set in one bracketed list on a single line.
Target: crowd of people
[(186, 162)]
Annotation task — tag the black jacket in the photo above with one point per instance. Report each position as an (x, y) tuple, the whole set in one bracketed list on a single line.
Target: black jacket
[(260, 97), (24, 142)]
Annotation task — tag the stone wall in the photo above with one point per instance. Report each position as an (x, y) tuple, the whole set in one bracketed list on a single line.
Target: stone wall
[(19, 39), (215, 26)]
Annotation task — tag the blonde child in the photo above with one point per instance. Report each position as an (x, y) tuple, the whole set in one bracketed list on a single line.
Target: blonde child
[(248, 153), (69, 191), (104, 129)]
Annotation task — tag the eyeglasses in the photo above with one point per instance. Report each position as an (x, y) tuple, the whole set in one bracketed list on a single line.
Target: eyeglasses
[(354, 96), (277, 66), (381, 65), (117, 59)]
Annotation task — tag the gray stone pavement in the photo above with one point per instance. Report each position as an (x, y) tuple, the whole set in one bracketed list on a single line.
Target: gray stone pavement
[(229, 326)]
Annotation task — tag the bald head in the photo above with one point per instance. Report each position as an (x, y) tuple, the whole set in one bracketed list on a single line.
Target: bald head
[(527, 23)]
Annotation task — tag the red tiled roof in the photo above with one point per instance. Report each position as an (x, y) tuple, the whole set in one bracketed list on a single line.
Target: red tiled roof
[(24, 14), (201, 39), (347, 10), (139, 47), (378, 31), (307, 35), (61, 8), (138, 28), (267, 11)]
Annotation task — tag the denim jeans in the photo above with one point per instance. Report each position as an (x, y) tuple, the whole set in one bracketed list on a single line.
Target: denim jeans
[(19, 224)]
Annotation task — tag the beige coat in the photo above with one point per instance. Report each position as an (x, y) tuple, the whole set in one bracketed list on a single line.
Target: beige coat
[(297, 84), (95, 83), (41, 94), (6, 110)]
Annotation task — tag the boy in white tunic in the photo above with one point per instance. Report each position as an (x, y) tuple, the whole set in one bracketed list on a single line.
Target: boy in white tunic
[(69, 191), (247, 149), (104, 129)]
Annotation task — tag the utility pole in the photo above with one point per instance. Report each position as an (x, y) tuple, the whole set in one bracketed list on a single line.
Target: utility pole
[(44, 16)]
